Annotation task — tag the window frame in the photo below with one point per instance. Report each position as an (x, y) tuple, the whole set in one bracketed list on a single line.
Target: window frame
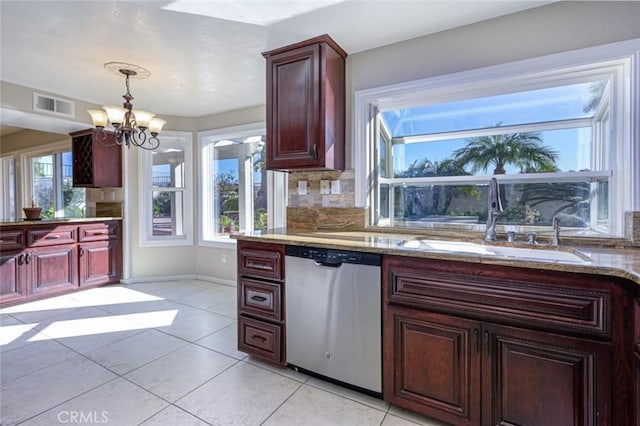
[(276, 184), (146, 190), (24, 175), (619, 61)]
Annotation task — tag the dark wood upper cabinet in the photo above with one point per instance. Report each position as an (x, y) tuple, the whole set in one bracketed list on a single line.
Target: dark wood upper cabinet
[(96, 163), (306, 106)]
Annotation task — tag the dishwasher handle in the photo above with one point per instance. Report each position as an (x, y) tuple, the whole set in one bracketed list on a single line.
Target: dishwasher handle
[(327, 264)]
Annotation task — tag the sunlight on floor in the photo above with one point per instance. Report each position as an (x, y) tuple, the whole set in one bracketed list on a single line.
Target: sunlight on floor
[(107, 296), (10, 333), (106, 324)]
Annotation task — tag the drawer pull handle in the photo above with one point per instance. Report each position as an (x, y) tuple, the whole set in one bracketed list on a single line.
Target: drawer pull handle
[(81, 251), (21, 259), (98, 233), (260, 338), (27, 258), (258, 266), (52, 237), (258, 298)]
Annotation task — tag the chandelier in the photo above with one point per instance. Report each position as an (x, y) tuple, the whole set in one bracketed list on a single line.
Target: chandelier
[(130, 126)]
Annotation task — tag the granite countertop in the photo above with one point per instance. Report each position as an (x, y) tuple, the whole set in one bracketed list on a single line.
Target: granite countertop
[(615, 262), (46, 221)]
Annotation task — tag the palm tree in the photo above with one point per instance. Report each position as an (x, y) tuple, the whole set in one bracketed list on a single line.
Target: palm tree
[(444, 193), (524, 150)]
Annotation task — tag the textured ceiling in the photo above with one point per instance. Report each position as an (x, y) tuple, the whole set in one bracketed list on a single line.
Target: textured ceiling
[(204, 56)]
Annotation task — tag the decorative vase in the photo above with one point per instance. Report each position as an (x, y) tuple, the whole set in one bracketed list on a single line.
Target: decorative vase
[(32, 213)]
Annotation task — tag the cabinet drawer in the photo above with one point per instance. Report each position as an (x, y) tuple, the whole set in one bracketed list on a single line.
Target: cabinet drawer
[(51, 236), (260, 339), (567, 308), (11, 239), (260, 298), (98, 232), (259, 262)]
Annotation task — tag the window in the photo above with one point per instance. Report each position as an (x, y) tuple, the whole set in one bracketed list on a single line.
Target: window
[(556, 136), (166, 215), (50, 185), (237, 192), (8, 190)]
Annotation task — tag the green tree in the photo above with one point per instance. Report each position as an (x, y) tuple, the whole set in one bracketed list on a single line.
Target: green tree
[(523, 149)]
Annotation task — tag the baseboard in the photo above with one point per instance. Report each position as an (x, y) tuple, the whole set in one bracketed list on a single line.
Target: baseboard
[(223, 281), (162, 278)]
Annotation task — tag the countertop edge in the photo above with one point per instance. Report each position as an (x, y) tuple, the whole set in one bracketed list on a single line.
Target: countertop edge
[(599, 266), (59, 221)]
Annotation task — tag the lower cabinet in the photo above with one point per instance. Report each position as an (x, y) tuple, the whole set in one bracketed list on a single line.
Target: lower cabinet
[(41, 260), (261, 285), (14, 276), (53, 268), (98, 262), (452, 353)]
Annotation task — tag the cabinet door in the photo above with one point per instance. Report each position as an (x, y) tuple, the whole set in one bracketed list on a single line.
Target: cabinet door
[(431, 364), (53, 268), (293, 126), (98, 263), (97, 160), (541, 379), (13, 276)]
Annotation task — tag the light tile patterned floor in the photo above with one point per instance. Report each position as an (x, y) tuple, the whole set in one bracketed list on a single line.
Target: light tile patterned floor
[(161, 353)]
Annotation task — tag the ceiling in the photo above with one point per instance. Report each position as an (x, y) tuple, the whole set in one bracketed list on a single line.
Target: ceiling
[(204, 56)]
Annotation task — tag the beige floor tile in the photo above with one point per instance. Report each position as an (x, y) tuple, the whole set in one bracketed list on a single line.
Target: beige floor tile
[(278, 369), (30, 395), (178, 373), (224, 341), (174, 416), (312, 406), (135, 351), (33, 357), (349, 393), (117, 403), (242, 395), (391, 420), (414, 417), (192, 324)]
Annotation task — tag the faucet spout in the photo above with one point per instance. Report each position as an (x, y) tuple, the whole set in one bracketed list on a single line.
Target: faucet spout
[(494, 210)]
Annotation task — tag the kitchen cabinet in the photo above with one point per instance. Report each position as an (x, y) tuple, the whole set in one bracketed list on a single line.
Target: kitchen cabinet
[(45, 259), (97, 162), (306, 106), (501, 345), (100, 253), (261, 283)]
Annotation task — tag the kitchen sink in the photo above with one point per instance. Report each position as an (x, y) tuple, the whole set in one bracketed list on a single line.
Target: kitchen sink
[(535, 253)]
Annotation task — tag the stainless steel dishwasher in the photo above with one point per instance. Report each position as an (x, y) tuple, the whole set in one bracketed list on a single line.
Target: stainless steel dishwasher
[(333, 314)]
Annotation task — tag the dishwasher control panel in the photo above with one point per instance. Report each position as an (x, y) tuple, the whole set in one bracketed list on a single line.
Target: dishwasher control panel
[(333, 256)]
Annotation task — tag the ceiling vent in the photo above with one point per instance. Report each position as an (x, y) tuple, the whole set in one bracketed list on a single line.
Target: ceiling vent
[(46, 103)]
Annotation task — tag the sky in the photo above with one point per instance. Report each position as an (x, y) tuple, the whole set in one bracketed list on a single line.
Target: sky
[(542, 105)]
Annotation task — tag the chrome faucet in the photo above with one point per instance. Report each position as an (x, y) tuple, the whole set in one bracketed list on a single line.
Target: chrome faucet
[(494, 211), (555, 239)]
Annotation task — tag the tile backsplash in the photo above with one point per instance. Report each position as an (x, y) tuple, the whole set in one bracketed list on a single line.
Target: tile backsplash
[(314, 198)]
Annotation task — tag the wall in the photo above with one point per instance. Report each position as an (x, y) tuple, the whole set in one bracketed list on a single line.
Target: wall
[(26, 139), (554, 28)]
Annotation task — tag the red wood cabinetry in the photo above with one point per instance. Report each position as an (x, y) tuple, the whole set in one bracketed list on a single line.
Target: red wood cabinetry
[(306, 106), (97, 159), (261, 283), (506, 346), (46, 259)]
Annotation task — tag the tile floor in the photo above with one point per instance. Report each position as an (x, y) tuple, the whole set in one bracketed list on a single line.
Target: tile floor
[(158, 354)]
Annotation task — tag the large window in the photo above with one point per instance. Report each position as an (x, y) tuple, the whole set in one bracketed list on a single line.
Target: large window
[(166, 216), (558, 140), (237, 192), (50, 185)]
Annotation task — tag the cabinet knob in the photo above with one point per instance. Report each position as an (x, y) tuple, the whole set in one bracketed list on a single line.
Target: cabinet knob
[(27, 258)]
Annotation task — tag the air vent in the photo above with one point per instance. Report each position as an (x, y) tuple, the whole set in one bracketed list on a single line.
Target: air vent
[(46, 103)]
